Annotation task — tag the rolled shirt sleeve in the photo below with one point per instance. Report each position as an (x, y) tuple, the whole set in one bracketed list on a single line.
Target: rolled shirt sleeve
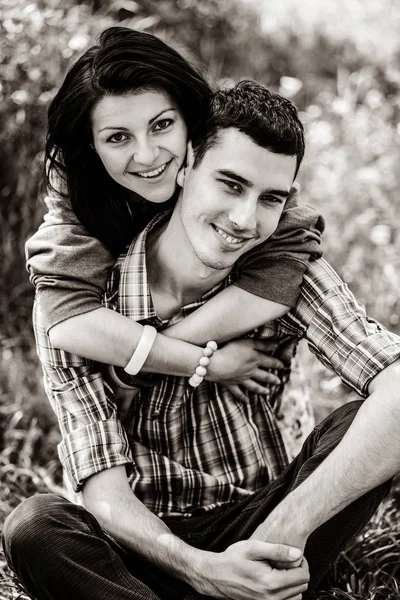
[(93, 438), (338, 331)]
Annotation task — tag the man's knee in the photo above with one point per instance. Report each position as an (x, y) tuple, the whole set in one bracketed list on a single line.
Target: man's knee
[(30, 527)]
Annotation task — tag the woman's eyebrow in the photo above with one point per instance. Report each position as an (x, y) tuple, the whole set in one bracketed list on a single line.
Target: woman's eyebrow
[(113, 127), (120, 128), (161, 113)]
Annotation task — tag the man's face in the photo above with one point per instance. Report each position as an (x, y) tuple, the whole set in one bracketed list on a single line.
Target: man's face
[(234, 199)]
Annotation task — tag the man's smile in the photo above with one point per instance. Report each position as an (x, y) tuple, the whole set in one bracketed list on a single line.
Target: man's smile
[(228, 237)]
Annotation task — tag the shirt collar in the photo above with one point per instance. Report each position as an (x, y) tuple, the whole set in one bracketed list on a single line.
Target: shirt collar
[(134, 297)]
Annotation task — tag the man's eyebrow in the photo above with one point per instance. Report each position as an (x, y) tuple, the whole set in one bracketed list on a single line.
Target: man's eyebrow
[(117, 128), (247, 183), (235, 177), (283, 193)]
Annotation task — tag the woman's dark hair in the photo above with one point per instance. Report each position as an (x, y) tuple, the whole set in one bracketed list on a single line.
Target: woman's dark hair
[(122, 61)]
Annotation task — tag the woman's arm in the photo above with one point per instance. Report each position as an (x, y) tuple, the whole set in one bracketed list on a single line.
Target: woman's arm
[(227, 315), (67, 265), (98, 333), (107, 336), (69, 268)]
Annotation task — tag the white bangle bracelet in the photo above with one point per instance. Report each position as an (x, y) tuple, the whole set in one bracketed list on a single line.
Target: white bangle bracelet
[(142, 351)]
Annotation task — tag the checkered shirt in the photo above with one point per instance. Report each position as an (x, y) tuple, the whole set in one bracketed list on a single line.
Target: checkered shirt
[(186, 448)]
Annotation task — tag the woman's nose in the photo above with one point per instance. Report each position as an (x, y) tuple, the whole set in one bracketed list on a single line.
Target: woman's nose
[(145, 153)]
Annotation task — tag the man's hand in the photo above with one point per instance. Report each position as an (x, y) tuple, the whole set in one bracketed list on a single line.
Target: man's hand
[(244, 362), (243, 571)]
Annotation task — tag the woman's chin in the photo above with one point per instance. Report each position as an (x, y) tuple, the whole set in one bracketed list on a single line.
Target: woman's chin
[(160, 196)]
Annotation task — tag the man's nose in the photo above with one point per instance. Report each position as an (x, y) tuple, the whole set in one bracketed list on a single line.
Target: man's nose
[(243, 216), (145, 152)]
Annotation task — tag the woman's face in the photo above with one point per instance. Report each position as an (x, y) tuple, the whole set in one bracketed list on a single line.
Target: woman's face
[(141, 140)]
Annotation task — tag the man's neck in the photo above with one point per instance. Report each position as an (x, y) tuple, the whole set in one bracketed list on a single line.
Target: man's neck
[(175, 274)]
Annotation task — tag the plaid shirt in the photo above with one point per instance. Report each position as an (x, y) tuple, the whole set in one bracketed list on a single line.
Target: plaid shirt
[(188, 448)]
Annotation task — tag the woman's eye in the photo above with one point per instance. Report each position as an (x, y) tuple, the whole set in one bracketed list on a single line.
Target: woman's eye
[(163, 124), (118, 137)]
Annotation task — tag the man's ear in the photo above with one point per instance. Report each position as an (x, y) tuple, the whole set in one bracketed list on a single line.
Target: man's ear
[(188, 164), (180, 178), (189, 155)]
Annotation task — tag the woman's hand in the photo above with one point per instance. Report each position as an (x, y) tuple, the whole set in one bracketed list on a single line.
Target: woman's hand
[(244, 363)]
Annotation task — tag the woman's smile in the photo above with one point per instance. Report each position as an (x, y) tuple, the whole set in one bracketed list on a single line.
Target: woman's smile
[(154, 173)]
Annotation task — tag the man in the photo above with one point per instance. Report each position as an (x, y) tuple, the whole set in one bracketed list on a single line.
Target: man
[(232, 524)]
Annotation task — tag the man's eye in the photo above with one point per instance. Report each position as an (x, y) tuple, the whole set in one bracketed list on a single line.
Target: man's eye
[(118, 137), (232, 185), (268, 199), (163, 124)]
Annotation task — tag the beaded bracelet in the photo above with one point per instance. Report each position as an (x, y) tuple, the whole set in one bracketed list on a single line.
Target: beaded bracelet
[(204, 362)]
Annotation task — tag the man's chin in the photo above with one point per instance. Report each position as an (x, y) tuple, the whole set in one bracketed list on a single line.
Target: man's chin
[(217, 263)]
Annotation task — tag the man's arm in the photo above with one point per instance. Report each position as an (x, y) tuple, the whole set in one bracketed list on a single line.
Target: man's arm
[(368, 455), (366, 356), (240, 572)]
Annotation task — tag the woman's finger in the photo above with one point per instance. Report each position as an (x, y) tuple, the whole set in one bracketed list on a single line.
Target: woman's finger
[(255, 387), (237, 393), (263, 376)]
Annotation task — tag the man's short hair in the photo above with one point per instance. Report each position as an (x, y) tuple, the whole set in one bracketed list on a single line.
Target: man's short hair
[(270, 120)]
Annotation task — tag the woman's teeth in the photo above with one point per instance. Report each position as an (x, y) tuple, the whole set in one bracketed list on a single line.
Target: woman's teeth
[(155, 173), (228, 238)]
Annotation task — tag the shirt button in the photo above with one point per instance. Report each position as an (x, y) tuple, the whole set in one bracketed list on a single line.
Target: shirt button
[(155, 415)]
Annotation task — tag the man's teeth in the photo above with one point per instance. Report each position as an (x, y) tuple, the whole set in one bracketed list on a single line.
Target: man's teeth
[(153, 173), (228, 238)]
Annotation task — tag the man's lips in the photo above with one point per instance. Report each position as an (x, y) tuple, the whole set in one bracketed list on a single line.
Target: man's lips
[(230, 238)]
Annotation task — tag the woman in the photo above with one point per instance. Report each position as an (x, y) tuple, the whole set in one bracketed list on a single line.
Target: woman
[(117, 137)]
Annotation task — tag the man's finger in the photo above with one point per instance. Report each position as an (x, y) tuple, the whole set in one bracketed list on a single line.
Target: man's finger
[(294, 579), (294, 592), (258, 550)]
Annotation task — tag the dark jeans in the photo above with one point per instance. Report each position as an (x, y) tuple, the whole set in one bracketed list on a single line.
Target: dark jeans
[(59, 551)]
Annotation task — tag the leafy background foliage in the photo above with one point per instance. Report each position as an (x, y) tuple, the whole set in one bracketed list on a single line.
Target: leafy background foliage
[(339, 60)]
